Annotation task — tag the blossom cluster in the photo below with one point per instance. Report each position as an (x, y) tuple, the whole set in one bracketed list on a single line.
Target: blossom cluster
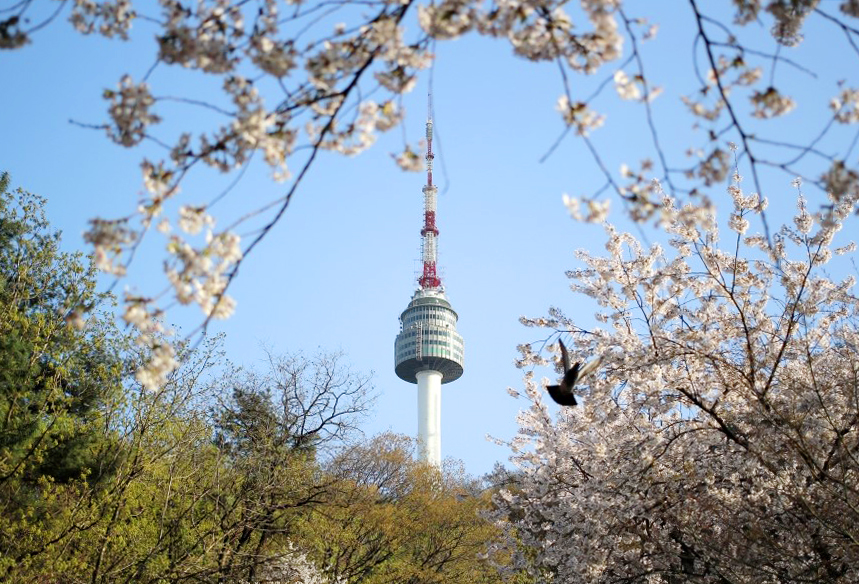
[(579, 116), (770, 103), (543, 30), (200, 275), (634, 88), (846, 106), (595, 211), (293, 565), (159, 354), (202, 38), (130, 111), (109, 238), (110, 18)]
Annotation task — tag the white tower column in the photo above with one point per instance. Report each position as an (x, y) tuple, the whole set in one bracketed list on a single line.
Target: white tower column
[(429, 416)]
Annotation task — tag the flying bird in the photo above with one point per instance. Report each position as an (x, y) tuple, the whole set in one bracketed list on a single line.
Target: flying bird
[(563, 393)]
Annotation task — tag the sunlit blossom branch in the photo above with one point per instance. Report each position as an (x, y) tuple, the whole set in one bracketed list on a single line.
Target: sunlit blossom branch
[(744, 138), (288, 197)]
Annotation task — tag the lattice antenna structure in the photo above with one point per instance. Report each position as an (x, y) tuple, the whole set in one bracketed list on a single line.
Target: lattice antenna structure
[(429, 234)]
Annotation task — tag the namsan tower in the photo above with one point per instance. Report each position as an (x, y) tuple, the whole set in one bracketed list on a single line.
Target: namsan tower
[(428, 350)]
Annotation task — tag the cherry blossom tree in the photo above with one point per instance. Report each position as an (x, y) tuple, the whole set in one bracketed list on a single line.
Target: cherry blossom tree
[(305, 76), (720, 441)]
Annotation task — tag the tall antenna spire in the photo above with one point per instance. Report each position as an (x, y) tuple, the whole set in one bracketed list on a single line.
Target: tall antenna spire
[(429, 278)]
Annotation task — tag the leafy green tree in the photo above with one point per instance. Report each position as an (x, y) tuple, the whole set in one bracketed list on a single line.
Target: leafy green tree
[(397, 520), (271, 429), (60, 383)]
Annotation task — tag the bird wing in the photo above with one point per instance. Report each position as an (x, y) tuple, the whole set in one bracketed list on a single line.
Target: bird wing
[(589, 367), (564, 356)]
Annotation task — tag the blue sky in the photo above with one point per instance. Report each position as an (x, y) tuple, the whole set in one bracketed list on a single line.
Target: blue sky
[(340, 267)]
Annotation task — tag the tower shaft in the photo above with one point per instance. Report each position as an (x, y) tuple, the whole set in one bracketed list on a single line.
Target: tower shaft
[(429, 416)]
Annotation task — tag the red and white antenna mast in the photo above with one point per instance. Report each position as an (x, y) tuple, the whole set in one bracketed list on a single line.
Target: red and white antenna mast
[(429, 279)]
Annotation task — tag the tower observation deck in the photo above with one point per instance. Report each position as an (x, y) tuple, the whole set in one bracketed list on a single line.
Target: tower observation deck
[(428, 350), (428, 340)]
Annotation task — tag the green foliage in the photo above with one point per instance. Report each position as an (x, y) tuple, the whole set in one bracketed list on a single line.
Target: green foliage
[(58, 384), (396, 520), (55, 380)]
